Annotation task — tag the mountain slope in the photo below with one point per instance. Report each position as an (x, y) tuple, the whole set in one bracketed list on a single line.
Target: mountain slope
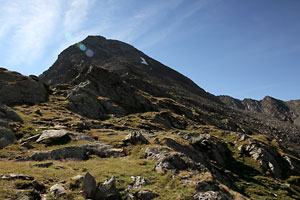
[(122, 59), (117, 124)]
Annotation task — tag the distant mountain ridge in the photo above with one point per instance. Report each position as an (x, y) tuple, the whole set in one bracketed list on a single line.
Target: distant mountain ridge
[(283, 110)]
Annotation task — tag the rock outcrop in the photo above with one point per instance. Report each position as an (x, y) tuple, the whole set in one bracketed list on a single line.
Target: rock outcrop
[(18, 89), (80, 152)]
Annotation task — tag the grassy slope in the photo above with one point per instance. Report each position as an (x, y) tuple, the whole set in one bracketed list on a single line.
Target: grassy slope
[(247, 177)]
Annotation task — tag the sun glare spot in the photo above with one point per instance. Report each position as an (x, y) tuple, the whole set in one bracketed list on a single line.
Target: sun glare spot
[(81, 46), (89, 53), (68, 36)]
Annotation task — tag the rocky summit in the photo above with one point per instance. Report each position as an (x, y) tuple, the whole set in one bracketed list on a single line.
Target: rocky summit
[(106, 121)]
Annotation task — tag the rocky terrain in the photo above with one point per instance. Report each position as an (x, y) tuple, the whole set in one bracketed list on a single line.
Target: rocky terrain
[(108, 122)]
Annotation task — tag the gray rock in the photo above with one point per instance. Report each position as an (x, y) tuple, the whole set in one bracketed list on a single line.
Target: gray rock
[(16, 176), (137, 182), (54, 137), (103, 150), (7, 114), (43, 165), (145, 195), (88, 186), (18, 89), (266, 157), (135, 138), (57, 190), (170, 162), (80, 152), (108, 190), (73, 153), (7, 137), (27, 145), (210, 195), (156, 152)]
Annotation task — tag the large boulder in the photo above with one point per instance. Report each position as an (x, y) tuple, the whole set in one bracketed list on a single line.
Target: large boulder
[(16, 88), (7, 137)]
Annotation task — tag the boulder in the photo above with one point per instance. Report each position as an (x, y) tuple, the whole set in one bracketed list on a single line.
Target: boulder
[(8, 114), (43, 165), (108, 190), (57, 190), (134, 138), (145, 195), (79, 152), (170, 162), (7, 137), (103, 150), (137, 182), (18, 89), (51, 137), (210, 195), (88, 186), (16, 177), (76, 181), (73, 153)]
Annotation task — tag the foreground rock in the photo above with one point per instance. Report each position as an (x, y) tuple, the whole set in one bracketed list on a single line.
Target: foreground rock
[(81, 152), (51, 137), (18, 89)]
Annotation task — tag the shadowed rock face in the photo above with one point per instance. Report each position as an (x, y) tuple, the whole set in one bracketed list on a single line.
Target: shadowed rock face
[(18, 89)]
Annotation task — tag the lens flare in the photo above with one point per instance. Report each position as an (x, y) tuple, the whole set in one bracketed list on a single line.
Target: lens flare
[(81, 46), (89, 53), (68, 36)]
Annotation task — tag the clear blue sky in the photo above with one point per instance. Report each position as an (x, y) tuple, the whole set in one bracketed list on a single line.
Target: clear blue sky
[(242, 48)]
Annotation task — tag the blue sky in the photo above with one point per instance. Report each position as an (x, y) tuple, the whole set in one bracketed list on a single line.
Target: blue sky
[(242, 48)]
